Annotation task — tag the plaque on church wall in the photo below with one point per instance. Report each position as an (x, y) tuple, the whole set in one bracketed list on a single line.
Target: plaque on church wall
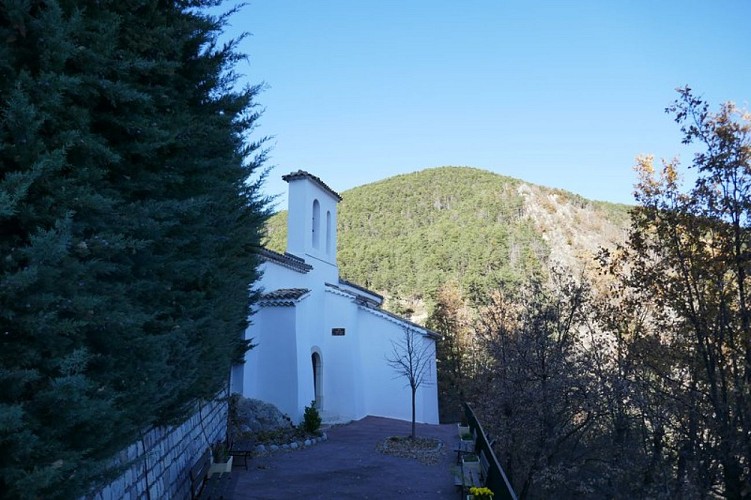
[(338, 332)]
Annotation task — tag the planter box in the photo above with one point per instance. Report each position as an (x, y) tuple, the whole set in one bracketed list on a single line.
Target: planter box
[(221, 467), (462, 429), (466, 447)]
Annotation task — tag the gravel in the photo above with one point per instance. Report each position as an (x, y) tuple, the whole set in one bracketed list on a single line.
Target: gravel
[(425, 450)]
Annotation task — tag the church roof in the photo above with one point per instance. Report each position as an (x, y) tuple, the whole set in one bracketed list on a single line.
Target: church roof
[(286, 260), (302, 174), (361, 288), (369, 306), (283, 297)]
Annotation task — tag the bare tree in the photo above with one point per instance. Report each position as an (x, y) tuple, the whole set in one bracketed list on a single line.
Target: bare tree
[(688, 252), (412, 358)]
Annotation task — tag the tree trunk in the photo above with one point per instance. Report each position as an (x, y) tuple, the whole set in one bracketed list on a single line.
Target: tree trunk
[(414, 390), (732, 472)]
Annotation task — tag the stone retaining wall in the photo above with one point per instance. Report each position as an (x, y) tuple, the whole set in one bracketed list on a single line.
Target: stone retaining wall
[(162, 458)]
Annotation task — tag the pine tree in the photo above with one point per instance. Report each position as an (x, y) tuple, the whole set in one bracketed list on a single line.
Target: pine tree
[(130, 211)]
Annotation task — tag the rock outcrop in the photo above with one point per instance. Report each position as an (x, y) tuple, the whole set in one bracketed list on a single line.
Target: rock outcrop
[(255, 415)]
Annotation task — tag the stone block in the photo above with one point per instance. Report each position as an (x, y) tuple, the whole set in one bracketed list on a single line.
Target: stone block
[(106, 492), (166, 453)]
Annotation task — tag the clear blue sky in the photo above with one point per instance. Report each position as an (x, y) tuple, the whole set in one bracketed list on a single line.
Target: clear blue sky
[(564, 94)]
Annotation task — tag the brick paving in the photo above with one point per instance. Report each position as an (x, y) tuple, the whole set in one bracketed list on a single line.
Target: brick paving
[(348, 465)]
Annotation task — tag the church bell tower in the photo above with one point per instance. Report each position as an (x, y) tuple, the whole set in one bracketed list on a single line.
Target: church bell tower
[(311, 218)]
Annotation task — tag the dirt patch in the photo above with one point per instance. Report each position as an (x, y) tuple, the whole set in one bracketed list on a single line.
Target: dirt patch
[(425, 450)]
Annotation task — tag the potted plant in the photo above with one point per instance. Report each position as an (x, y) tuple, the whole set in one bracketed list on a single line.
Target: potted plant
[(463, 429), (466, 442), (221, 459)]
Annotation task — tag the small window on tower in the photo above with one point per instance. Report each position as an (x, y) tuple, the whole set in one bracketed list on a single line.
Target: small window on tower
[(328, 232), (316, 223)]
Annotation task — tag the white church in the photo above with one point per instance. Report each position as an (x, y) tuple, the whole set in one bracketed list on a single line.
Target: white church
[(321, 338)]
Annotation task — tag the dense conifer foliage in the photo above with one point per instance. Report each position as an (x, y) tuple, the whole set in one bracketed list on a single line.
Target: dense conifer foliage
[(129, 215), (408, 235)]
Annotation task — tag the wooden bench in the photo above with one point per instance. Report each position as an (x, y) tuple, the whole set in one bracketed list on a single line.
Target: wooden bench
[(243, 449), (465, 447), (472, 474), (204, 484)]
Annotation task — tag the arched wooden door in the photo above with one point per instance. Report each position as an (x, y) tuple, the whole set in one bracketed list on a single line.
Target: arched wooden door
[(318, 380)]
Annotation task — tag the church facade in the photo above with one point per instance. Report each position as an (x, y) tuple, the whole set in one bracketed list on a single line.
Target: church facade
[(321, 338)]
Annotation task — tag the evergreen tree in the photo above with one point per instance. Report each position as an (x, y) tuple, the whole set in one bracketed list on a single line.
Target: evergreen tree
[(130, 211)]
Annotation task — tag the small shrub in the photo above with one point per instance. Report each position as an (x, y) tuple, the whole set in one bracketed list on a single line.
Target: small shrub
[(220, 452), (311, 418)]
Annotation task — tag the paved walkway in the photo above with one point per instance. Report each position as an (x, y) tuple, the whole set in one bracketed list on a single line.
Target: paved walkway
[(348, 465)]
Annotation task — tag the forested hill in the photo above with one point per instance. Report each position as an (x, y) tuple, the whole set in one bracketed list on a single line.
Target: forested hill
[(406, 235)]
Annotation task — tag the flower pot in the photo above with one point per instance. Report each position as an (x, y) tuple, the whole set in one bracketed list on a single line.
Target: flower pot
[(221, 467)]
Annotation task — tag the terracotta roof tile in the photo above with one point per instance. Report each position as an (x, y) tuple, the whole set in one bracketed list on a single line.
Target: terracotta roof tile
[(284, 297), (286, 259)]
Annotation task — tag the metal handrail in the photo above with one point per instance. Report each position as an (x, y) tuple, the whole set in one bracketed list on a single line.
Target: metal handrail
[(497, 480)]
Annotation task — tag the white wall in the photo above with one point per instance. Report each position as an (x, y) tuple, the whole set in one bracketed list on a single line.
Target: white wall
[(343, 382), (388, 393), (310, 320), (357, 380), (429, 395), (303, 193), (237, 379), (269, 367), (276, 276)]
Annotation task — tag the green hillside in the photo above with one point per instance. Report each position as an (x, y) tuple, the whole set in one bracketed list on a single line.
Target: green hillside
[(406, 235)]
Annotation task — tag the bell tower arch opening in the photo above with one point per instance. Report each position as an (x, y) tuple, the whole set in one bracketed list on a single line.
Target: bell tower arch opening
[(328, 232), (316, 223)]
